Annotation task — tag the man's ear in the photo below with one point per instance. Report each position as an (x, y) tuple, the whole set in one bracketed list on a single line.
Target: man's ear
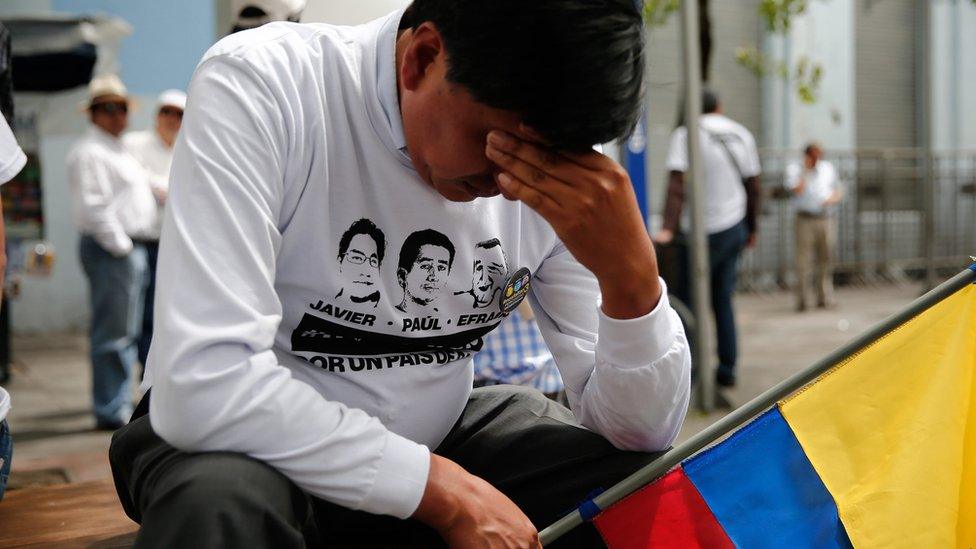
[(422, 53), (402, 277)]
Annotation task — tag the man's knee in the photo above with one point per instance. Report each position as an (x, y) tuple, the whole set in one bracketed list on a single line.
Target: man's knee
[(210, 480), (514, 400), (508, 394), (222, 499)]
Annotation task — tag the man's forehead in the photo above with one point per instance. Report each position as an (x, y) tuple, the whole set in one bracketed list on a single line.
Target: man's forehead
[(361, 239), (428, 250)]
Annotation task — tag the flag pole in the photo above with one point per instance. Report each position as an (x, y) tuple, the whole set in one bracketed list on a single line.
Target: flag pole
[(754, 407)]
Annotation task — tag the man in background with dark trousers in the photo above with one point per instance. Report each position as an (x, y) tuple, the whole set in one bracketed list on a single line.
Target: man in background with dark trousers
[(731, 206), (154, 149)]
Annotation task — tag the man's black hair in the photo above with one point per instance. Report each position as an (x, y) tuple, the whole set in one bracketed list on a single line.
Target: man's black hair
[(488, 244), (491, 243), (710, 101), (368, 228), (710, 104), (808, 149), (410, 250), (570, 69)]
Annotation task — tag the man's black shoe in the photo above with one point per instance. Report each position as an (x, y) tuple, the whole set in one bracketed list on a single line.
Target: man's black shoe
[(723, 379)]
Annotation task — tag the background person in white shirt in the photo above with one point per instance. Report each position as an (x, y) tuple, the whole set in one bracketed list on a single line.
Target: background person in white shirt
[(731, 208), (816, 191), (154, 148), (115, 212), (452, 118), (12, 160)]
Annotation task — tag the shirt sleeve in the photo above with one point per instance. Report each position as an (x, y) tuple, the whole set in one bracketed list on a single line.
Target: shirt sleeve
[(216, 382), (138, 143), (12, 158), (89, 176), (792, 176), (751, 167), (835, 181), (629, 380), (678, 151)]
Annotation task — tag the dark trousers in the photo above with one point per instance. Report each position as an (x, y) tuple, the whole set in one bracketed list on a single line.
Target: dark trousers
[(724, 249), (145, 338), (528, 447)]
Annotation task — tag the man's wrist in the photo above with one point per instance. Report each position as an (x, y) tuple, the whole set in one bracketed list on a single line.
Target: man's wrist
[(440, 505), (630, 296)]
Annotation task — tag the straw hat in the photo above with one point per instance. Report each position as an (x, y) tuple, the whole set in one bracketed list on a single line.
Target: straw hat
[(106, 88)]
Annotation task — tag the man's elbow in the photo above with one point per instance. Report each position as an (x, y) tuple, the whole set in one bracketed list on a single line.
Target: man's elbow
[(651, 440), (177, 422), (655, 432)]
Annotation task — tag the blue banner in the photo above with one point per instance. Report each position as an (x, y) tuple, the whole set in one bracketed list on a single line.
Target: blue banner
[(635, 161)]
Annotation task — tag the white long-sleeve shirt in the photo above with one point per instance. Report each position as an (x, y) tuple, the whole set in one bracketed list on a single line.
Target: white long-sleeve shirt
[(111, 197), (156, 157), (317, 304)]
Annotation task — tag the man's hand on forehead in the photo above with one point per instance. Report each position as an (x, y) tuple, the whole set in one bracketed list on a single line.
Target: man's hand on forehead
[(589, 201)]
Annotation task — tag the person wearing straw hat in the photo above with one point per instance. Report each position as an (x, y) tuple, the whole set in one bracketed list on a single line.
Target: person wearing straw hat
[(115, 212), (154, 149)]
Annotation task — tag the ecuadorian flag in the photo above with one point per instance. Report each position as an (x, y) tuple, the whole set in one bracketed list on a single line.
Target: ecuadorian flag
[(880, 451)]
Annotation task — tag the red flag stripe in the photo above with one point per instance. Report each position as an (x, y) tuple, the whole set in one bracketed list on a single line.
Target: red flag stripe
[(667, 513)]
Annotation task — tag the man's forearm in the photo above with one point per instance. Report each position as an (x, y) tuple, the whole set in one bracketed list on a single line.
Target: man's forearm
[(467, 511), (753, 203), (675, 201)]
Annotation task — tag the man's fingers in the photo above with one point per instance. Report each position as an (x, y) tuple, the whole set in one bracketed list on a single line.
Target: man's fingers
[(532, 197), (588, 159), (528, 161), (559, 191), (530, 133)]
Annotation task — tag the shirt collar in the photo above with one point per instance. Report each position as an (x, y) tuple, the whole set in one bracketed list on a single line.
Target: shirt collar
[(386, 82)]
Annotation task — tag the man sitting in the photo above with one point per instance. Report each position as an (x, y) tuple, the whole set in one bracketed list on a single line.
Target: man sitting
[(279, 418)]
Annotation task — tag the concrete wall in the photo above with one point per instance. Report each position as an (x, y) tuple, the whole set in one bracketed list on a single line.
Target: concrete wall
[(824, 34), (953, 58)]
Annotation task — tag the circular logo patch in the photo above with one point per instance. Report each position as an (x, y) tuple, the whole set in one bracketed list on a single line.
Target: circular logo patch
[(516, 289)]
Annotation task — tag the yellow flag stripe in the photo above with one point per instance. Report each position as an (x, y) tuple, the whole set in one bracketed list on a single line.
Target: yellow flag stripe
[(892, 431)]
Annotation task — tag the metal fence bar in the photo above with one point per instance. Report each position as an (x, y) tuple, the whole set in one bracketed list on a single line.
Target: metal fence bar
[(744, 413)]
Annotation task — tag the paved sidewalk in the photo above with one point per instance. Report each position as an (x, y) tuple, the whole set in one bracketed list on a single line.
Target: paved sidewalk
[(54, 430)]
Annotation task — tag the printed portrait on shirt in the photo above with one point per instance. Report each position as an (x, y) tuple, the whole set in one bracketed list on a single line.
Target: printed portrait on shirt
[(488, 272), (423, 268), (360, 256)]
